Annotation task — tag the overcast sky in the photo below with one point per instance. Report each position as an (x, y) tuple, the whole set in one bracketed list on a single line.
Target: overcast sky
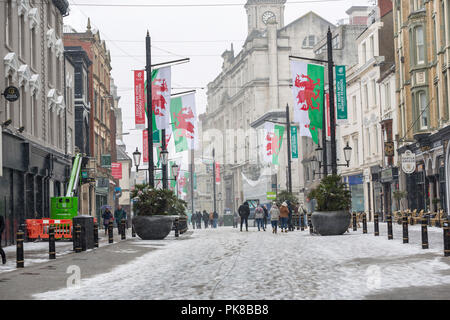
[(200, 33)]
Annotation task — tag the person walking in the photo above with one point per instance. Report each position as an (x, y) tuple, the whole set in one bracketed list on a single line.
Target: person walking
[(193, 219), (120, 214), (289, 222), (235, 219), (2, 228), (211, 218), (205, 218), (284, 216), (259, 216), (107, 217), (274, 217), (215, 218), (266, 216), (244, 212)]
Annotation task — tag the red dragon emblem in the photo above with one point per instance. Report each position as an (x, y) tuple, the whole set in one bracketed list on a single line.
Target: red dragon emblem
[(182, 182), (187, 127), (307, 95), (159, 102), (273, 143)]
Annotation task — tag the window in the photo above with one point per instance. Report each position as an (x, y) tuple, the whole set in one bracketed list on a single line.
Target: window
[(363, 51), (434, 39), (34, 116), (23, 108), (49, 13), (50, 66), (422, 100), (69, 140), (58, 83), (335, 42), (445, 103), (371, 46), (436, 98), (420, 45), (33, 47), (374, 92), (355, 110), (368, 141), (387, 90), (309, 41), (416, 5), (443, 31), (366, 96), (356, 151), (22, 34), (375, 140), (8, 23)]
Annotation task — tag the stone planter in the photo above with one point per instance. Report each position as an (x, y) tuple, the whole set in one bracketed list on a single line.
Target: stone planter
[(152, 227), (331, 223)]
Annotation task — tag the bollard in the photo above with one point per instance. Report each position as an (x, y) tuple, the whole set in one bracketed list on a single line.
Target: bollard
[(51, 243), (96, 235), (311, 229), (364, 223), (122, 229), (110, 232), (302, 222), (405, 229), (355, 228), (376, 225), (424, 233), (446, 229), (133, 233), (20, 257), (77, 242), (389, 225), (177, 231)]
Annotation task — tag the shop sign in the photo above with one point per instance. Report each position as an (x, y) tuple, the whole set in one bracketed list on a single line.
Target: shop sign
[(11, 94), (408, 162), (386, 175), (105, 160), (389, 148)]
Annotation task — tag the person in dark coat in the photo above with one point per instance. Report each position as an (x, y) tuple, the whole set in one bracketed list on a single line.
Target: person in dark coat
[(194, 219), (290, 224), (266, 216), (2, 228), (244, 212), (107, 217), (215, 218), (205, 218), (199, 219), (120, 214)]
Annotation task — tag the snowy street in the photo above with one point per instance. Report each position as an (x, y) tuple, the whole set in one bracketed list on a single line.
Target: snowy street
[(225, 264)]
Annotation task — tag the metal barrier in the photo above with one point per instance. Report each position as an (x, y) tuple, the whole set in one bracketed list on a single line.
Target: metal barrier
[(39, 229)]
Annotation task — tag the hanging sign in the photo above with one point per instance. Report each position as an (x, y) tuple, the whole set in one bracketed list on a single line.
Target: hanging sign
[(217, 173), (294, 142), (328, 115), (11, 94), (139, 99), (341, 95), (105, 161), (408, 162), (116, 170)]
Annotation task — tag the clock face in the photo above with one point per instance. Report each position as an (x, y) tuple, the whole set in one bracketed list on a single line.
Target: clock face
[(268, 15)]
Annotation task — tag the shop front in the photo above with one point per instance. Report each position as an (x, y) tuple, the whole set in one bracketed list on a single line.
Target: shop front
[(389, 181)]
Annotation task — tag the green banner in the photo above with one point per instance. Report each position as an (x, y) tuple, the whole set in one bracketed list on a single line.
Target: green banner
[(341, 94), (271, 195), (294, 142), (279, 132)]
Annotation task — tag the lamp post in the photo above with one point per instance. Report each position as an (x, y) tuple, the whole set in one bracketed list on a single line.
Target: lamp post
[(137, 159), (175, 175), (320, 154), (148, 69)]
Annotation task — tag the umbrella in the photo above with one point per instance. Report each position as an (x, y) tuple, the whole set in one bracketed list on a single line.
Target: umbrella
[(105, 207)]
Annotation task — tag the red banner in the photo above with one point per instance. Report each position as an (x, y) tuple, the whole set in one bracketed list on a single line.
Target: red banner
[(328, 115), (116, 170), (139, 98), (217, 173), (145, 146)]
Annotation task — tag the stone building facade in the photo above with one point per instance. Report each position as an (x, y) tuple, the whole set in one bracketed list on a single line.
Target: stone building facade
[(253, 87), (36, 154), (421, 37)]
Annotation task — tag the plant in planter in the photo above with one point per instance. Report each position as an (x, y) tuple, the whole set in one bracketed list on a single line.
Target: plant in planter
[(154, 212), (285, 195), (333, 201)]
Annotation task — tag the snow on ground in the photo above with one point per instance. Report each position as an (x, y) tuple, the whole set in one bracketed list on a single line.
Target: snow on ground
[(227, 264)]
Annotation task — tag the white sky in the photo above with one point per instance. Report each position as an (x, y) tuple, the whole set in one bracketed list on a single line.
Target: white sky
[(200, 33)]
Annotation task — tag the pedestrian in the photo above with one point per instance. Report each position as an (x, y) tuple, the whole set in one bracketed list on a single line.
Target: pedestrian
[(107, 217), (244, 212), (2, 228), (274, 217), (296, 215), (193, 218), (120, 214), (259, 216), (266, 216), (284, 216), (211, 219), (289, 222), (199, 220), (215, 218), (205, 218)]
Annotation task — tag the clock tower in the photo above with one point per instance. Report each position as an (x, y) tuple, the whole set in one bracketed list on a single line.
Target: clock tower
[(261, 12)]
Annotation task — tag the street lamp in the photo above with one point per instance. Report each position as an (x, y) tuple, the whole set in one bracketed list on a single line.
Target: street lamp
[(175, 175), (137, 159), (347, 154), (164, 157)]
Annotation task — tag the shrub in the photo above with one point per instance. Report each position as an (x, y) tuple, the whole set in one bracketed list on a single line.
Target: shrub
[(150, 202), (331, 194)]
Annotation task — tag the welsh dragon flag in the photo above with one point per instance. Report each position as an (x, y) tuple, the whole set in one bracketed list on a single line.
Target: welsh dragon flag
[(273, 139), (161, 90), (184, 124), (308, 88)]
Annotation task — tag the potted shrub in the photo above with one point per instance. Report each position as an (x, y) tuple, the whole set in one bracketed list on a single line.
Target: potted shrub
[(333, 201), (155, 211)]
